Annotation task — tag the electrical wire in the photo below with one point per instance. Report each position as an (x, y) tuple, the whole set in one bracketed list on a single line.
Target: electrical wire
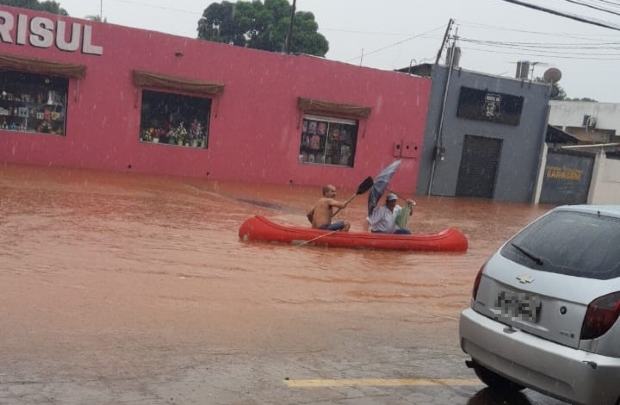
[(396, 43), (566, 15), (160, 7), (546, 45), (538, 33), (591, 6), (530, 53)]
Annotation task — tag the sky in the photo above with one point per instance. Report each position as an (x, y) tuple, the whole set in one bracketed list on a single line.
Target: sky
[(391, 34)]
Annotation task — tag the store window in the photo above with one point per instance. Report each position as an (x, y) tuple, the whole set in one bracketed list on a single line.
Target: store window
[(326, 140), (35, 103), (175, 119)]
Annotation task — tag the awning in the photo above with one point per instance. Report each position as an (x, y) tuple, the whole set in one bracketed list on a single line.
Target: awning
[(142, 78), (557, 136), (41, 66), (327, 107)]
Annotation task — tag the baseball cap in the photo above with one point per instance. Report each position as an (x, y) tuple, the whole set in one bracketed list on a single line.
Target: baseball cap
[(391, 197)]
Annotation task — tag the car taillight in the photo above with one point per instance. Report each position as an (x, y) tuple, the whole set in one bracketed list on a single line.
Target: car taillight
[(602, 313), (477, 282)]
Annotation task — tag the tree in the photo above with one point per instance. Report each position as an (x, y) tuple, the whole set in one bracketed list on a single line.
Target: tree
[(96, 18), (561, 94), (253, 24), (46, 6), (582, 99)]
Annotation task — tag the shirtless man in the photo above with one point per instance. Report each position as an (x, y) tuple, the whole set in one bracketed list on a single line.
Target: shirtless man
[(320, 216)]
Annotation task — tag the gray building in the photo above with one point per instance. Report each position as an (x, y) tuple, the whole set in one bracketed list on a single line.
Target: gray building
[(484, 135)]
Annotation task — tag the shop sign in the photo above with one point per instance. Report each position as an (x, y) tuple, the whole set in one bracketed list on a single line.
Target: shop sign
[(483, 105), (41, 32)]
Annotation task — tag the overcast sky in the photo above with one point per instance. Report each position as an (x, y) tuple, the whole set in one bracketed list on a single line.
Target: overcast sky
[(392, 34)]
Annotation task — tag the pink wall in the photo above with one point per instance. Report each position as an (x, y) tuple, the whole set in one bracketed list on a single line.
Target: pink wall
[(254, 131)]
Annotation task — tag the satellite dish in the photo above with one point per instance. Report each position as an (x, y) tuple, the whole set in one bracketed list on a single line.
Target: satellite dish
[(552, 75)]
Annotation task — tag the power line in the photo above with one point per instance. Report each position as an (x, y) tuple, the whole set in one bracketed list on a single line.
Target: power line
[(607, 2), (553, 34), (591, 6), (558, 13), (399, 34), (610, 2), (540, 53), (550, 45), (160, 7), (394, 44)]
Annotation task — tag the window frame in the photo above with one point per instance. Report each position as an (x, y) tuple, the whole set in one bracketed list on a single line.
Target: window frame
[(178, 86), (321, 153), (187, 127), (34, 97)]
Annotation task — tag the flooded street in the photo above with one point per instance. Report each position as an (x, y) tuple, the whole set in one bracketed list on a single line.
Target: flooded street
[(128, 288)]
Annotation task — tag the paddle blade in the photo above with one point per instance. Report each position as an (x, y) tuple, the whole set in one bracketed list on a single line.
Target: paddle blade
[(365, 185)]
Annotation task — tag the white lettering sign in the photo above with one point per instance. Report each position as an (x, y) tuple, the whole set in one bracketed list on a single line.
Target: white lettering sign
[(42, 32)]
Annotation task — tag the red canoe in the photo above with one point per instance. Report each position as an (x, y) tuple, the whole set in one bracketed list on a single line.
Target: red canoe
[(260, 228)]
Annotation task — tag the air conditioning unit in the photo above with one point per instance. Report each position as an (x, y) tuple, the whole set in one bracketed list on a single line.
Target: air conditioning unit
[(584, 123), (589, 122)]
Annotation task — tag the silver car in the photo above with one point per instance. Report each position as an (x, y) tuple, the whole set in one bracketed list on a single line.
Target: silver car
[(545, 306)]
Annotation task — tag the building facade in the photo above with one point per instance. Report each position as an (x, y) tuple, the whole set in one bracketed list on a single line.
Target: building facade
[(84, 94), (484, 135), (590, 122)]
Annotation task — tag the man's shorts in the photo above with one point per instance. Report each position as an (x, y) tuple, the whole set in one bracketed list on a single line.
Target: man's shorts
[(336, 226)]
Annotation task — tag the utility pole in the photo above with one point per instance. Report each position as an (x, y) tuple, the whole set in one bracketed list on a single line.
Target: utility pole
[(443, 43), (289, 37), (439, 150)]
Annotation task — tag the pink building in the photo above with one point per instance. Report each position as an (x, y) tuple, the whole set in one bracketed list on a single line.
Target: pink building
[(83, 94)]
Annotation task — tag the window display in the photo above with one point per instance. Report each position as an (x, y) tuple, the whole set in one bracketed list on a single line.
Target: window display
[(33, 102), (328, 141), (174, 119)]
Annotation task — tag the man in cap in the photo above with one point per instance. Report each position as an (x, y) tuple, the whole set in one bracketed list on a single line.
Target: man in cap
[(383, 218)]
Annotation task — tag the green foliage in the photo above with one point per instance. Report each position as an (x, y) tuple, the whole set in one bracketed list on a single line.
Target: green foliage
[(258, 25), (561, 93), (95, 18), (46, 6), (581, 99)]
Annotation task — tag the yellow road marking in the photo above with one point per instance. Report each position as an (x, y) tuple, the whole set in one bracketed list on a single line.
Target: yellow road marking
[(379, 382)]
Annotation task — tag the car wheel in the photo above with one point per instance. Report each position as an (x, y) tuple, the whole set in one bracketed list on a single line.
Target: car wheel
[(495, 381)]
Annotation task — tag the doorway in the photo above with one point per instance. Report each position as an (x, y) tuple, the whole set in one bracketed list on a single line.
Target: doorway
[(478, 169)]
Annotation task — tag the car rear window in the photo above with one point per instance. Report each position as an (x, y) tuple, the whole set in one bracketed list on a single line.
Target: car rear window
[(572, 243)]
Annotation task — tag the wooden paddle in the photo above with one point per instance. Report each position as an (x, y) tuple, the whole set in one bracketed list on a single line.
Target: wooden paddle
[(305, 242), (363, 187)]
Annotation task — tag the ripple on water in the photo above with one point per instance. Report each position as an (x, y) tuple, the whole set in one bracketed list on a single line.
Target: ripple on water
[(59, 221)]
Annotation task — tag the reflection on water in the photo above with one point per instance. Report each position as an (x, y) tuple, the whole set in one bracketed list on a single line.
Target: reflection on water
[(118, 263), (115, 274), (57, 220)]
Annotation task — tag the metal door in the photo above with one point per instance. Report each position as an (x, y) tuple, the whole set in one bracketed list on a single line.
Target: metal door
[(478, 169)]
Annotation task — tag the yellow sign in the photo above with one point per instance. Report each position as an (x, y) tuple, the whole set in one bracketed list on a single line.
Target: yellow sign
[(563, 173)]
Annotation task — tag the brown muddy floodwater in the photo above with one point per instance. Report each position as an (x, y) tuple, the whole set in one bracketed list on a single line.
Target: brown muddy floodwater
[(104, 274)]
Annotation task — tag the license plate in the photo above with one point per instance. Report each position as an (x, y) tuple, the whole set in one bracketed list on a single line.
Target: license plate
[(522, 306)]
